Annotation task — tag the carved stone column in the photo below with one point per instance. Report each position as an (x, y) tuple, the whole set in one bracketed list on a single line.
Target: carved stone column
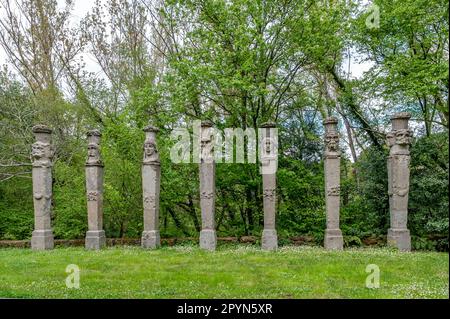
[(207, 188), (399, 141), (95, 236), (333, 235), (151, 180), (42, 155), (269, 240)]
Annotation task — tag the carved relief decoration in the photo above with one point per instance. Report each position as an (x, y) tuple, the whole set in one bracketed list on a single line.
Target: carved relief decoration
[(334, 191)]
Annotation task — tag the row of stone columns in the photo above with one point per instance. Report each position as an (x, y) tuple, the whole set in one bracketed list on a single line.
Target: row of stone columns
[(399, 140)]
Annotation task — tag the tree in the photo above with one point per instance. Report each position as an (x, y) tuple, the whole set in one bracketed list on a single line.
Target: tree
[(409, 50)]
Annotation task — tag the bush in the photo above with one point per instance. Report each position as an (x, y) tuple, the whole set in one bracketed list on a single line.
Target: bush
[(352, 241)]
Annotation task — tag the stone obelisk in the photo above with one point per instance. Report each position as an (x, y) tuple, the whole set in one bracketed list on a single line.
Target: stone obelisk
[(151, 180), (269, 146), (399, 141), (333, 234), (42, 155), (207, 187), (95, 236)]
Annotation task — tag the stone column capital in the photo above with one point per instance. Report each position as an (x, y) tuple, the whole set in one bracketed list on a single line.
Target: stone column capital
[(268, 125), (42, 151), (40, 128), (400, 120), (151, 128), (400, 137), (330, 120), (330, 124), (206, 123), (93, 132)]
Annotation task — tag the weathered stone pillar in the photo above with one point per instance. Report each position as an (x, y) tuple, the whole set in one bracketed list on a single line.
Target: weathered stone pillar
[(207, 188), (399, 141), (151, 180), (333, 235), (269, 240), (95, 236), (42, 155)]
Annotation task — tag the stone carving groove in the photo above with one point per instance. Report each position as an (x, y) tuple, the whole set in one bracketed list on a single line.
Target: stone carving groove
[(206, 195), (269, 194), (92, 196), (334, 191)]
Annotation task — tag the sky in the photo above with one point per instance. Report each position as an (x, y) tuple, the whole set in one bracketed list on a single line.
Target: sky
[(81, 7)]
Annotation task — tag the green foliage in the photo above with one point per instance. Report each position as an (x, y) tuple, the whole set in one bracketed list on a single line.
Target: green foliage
[(17, 222), (372, 201), (352, 241), (238, 63), (301, 208), (421, 243), (410, 54), (428, 204), (122, 153), (69, 200)]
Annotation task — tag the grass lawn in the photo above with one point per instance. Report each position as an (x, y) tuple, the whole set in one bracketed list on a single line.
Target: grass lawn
[(231, 272)]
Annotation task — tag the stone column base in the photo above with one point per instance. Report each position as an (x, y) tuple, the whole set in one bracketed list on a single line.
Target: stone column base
[(150, 239), (399, 238), (42, 239), (269, 239), (208, 239), (95, 239), (333, 239)]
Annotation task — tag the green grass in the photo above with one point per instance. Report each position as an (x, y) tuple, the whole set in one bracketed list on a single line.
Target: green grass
[(230, 272)]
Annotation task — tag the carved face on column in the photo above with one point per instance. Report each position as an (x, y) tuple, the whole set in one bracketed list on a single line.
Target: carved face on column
[(403, 137), (332, 142), (41, 152), (269, 150), (93, 154), (150, 152), (268, 146), (93, 151), (149, 149), (206, 149), (38, 151), (390, 139)]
